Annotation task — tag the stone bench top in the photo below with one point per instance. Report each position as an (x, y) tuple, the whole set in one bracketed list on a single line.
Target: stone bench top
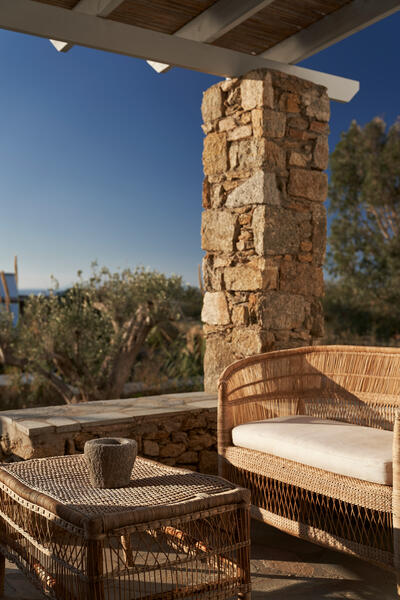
[(74, 417)]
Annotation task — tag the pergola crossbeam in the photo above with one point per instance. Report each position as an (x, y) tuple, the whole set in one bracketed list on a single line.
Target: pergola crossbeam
[(333, 28), (215, 21), (100, 8), (49, 21)]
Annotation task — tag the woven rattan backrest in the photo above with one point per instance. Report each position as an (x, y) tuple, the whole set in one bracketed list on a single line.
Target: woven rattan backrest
[(348, 383)]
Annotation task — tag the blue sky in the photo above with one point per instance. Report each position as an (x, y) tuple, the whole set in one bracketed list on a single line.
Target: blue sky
[(100, 157)]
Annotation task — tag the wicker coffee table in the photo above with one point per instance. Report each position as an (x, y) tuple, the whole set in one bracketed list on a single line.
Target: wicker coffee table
[(171, 534)]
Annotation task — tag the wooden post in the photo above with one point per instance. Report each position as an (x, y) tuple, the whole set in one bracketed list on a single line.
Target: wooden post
[(16, 270), (5, 288)]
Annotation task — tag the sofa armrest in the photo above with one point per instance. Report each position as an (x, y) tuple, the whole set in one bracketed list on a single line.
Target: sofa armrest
[(261, 387)]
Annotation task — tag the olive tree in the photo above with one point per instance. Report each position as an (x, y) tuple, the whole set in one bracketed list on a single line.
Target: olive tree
[(84, 342)]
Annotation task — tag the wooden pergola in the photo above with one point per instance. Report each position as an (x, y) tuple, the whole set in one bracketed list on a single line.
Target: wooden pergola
[(266, 145), (221, 37)]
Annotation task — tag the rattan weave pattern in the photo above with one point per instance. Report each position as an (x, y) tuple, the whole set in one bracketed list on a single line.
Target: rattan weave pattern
[(66, 480), (354, 384), (172, 534)]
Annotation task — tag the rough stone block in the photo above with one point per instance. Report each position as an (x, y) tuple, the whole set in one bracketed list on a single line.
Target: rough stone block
[(256, 90), (215, 154), (306, 246), (218, 230), (283, 311), (240, 315), (226, 124), (289, 102), (268, 123), (319, 108), (301, 278), (298, 159), (321, 153), (216, 195), (212, 106), (151, 448), (252, 276), (277, 230), (319, 127), (218, 355), (305, 183), (239, 133), (215, 309), (274, 156), (172, 450), (250, 154), (201, 441), (205, 196), (319, 233), (261, 188), (248, 341), (180, 436), (297, 123), (188, 457)]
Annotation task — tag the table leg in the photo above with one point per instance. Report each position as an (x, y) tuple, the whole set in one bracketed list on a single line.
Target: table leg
[(95, 570), (2, 573), (127, 547), (244, 553)]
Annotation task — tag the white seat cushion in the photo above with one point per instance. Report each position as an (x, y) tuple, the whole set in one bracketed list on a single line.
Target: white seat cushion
[(361, 452)]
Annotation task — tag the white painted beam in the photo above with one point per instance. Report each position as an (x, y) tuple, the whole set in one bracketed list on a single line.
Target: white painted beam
[(101, 8), (214, 22), (49, 21), (337, 26)]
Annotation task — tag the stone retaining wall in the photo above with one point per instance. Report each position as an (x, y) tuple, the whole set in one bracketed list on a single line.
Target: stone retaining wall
[(187, 439), (176, 429), (264, 222)]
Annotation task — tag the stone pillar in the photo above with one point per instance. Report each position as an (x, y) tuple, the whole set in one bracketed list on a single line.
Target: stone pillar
[(264, 222)]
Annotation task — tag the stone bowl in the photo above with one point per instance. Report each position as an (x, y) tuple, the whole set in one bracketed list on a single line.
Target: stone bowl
[(110, 461)]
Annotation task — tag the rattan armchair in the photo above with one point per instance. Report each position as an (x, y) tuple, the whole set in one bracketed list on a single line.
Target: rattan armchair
[(352, 384)]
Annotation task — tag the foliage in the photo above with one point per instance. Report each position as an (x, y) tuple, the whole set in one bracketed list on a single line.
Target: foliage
[(364, 244), (86, 341)]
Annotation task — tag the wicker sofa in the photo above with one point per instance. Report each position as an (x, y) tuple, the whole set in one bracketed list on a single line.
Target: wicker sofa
[(325, 497)]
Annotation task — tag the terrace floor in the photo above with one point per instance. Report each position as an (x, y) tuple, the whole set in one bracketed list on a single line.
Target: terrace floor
[(282, 568)]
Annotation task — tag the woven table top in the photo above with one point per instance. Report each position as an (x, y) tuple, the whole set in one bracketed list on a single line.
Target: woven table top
[(61, 485)]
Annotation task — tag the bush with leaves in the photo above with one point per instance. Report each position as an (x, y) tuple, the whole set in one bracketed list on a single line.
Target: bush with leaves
[(85, 341), (364, 243)]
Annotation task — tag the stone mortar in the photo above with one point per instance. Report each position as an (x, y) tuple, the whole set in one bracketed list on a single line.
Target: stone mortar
[(110, 461)]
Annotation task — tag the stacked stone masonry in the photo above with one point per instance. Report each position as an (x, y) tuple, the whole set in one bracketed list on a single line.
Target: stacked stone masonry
[(264, 221), (175, 429)]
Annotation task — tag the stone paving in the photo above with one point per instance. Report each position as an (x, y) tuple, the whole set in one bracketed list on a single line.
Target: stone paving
[(282, 568)]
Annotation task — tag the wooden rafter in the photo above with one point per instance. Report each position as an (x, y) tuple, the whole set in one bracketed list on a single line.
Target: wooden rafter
[(214, 22), (333, 28), (54, 22)]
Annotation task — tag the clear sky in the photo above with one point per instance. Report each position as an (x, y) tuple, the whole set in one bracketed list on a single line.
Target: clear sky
[(100, 157)]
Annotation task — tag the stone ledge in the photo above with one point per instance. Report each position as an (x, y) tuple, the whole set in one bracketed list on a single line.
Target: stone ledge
[(173, 428)]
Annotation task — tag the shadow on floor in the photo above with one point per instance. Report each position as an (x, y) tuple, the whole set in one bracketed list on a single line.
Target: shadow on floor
[(282, 568)]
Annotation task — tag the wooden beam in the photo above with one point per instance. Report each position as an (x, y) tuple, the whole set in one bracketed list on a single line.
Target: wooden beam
[(5, 289), (16, 270), (215, 21), (333, 28), (48, 21), (100, 8)]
